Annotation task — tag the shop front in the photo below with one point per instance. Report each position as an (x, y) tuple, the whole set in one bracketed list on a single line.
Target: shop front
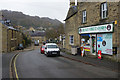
[(97, 38)]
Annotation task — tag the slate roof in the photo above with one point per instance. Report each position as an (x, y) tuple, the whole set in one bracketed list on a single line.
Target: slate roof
[(36, 33), (8, 27), (72, 11)]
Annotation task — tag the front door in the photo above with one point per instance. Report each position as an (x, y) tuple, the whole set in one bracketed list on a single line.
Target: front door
[(93, 44)]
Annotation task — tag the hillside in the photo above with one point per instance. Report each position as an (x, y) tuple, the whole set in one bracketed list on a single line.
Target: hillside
[(18, 18)]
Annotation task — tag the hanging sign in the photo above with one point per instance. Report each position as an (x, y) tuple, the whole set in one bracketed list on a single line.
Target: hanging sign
[(96, 29)]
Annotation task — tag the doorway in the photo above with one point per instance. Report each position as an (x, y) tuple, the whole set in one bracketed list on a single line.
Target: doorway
[(93, 44)]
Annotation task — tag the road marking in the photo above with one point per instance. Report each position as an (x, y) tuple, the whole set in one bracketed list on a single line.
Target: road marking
[(10, 67), (13, 60), (15, 68)]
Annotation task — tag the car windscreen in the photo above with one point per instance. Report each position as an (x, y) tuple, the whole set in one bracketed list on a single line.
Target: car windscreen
[(52, 46)]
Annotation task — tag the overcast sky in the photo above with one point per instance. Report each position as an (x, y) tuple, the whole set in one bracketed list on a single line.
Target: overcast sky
[(55, 9)]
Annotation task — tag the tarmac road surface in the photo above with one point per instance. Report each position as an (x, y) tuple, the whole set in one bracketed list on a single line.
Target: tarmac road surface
[(33, 64)]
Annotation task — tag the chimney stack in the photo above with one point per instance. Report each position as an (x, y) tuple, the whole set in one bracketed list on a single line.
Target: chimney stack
[(72, 3)]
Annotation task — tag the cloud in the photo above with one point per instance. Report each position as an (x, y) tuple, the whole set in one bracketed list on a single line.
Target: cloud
[(55, 9)]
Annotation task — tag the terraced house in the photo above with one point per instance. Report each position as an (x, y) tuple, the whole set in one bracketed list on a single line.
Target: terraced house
[(94, 26), (10, 37)]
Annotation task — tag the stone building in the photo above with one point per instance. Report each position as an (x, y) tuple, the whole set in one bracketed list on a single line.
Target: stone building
[(10, 38), (71, 27), (37, 36), (94, 26), (15, 38), (4, 39)]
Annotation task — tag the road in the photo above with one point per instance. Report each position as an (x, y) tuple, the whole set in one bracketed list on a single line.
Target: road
[(33, 64)]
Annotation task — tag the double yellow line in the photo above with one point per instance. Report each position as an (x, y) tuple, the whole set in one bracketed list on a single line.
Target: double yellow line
[(13, 62)]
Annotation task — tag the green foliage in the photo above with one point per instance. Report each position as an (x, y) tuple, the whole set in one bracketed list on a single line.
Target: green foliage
[(26, 41), (55, 32)]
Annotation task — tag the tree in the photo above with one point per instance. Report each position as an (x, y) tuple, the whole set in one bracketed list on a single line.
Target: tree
[(55, 32)]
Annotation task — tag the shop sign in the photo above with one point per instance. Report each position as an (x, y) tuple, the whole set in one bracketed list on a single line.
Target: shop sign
[(96, 29), (104, 43)]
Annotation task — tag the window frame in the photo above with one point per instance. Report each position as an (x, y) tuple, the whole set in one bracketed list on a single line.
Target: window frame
[(84, 16), (104, 10), (71, 39)]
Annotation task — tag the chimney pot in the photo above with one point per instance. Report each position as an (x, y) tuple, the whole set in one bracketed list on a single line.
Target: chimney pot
[(72, 3)]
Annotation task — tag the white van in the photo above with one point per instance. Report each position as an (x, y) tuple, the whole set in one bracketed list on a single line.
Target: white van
[(52, 49)]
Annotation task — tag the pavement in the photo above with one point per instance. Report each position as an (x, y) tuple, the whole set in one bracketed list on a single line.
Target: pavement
[(104, 63), (6, 58)]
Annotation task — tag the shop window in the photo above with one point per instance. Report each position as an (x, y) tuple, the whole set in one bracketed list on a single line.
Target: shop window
[(104, 10), (85, 41), (84, 18), (71, 39), (104, 43)]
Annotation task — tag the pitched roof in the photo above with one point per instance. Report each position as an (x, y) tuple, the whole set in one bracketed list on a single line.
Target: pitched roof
[(36, 33), (72, 11), (8, 27)]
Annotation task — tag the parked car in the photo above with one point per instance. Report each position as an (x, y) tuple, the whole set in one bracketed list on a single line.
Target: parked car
[(51, 49), (36, 43), (42, 49), (20, 47)]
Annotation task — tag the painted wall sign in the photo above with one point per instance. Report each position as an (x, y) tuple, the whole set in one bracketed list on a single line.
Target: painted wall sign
[(96, 29), (105, 43)]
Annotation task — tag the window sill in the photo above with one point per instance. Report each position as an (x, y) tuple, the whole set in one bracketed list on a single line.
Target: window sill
[(103, 19), (71, 44), (13, 39), (84, 23)]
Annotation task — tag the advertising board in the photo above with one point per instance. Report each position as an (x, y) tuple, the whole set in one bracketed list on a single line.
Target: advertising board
[(104, 43)]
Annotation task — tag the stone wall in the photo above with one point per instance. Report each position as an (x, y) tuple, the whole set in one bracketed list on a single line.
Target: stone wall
[(4, 38), (9, 40), (71, 29), (119, 31), (0, 38), (19, 37)]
